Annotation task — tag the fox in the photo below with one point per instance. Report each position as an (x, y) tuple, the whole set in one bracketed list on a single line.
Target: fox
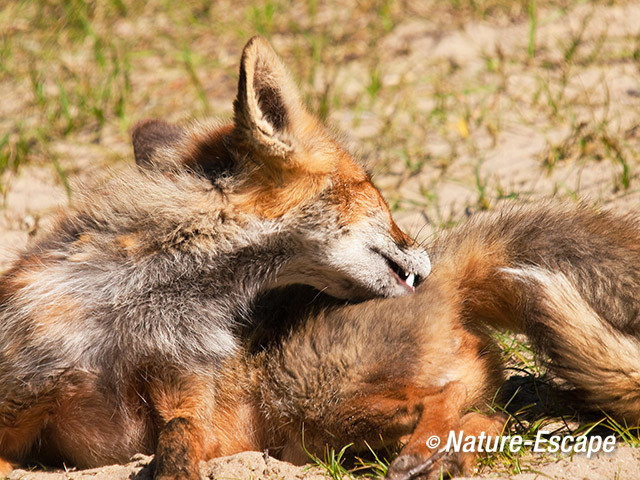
[(115, 324), (404, 371)]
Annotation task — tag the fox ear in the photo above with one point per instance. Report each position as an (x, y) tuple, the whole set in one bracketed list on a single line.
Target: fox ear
[(268, 104), (150, 135)]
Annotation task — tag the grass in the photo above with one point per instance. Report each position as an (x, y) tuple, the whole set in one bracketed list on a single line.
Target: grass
[(533, 23), (78, 82), (627, 435), (333, 463), (344, 465)]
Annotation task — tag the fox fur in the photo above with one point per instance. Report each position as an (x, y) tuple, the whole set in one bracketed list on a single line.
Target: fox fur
[(114, 326)]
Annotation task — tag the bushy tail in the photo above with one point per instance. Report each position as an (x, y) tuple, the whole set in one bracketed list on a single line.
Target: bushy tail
[(598, 359), (567, 277)]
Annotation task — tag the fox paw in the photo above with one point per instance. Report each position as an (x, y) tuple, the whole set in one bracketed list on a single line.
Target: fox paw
[(176, 457), (176, 472), (5, 468), (416, 467)]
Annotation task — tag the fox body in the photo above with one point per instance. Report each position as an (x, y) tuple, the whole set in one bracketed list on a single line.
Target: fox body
[(406, 369), (114, 325), (375, 374)]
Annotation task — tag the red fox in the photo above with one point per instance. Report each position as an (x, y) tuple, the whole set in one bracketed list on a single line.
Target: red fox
[(313, 371), (114, 326)]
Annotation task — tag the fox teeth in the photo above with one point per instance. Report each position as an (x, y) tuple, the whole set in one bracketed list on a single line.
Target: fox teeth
[(410, 280)]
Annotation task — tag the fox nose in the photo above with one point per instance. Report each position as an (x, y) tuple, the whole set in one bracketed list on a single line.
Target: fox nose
[(423, 270)]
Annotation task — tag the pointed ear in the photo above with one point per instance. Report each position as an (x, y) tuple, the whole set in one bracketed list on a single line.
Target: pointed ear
[(150, 135), (268, 106)]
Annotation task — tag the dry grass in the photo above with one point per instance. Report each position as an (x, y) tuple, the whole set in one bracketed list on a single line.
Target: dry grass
[(429, 91)]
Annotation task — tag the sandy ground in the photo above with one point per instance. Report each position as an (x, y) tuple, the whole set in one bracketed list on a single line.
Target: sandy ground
[(624, 463), (509, 161), (249, 465)]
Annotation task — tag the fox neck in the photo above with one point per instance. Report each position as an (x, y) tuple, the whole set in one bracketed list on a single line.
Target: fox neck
[(257, 257), (250, 270)]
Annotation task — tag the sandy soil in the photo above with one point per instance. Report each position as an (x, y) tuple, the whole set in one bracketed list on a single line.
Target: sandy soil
[(510, 161), (624, 463), (249, 466)]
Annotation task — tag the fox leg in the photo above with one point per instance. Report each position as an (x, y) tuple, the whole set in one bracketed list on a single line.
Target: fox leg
[(421, 462), (474, 424), (5, 468), (75, 423), (439, 415), (421, 459), (21, 423), (179, 450), (184, 404)]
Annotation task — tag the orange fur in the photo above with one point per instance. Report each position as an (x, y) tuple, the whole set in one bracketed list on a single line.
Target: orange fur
[(272, 193), (60, 315)]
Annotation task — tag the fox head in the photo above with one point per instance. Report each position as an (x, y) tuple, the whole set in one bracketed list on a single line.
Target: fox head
[(277, 163)]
